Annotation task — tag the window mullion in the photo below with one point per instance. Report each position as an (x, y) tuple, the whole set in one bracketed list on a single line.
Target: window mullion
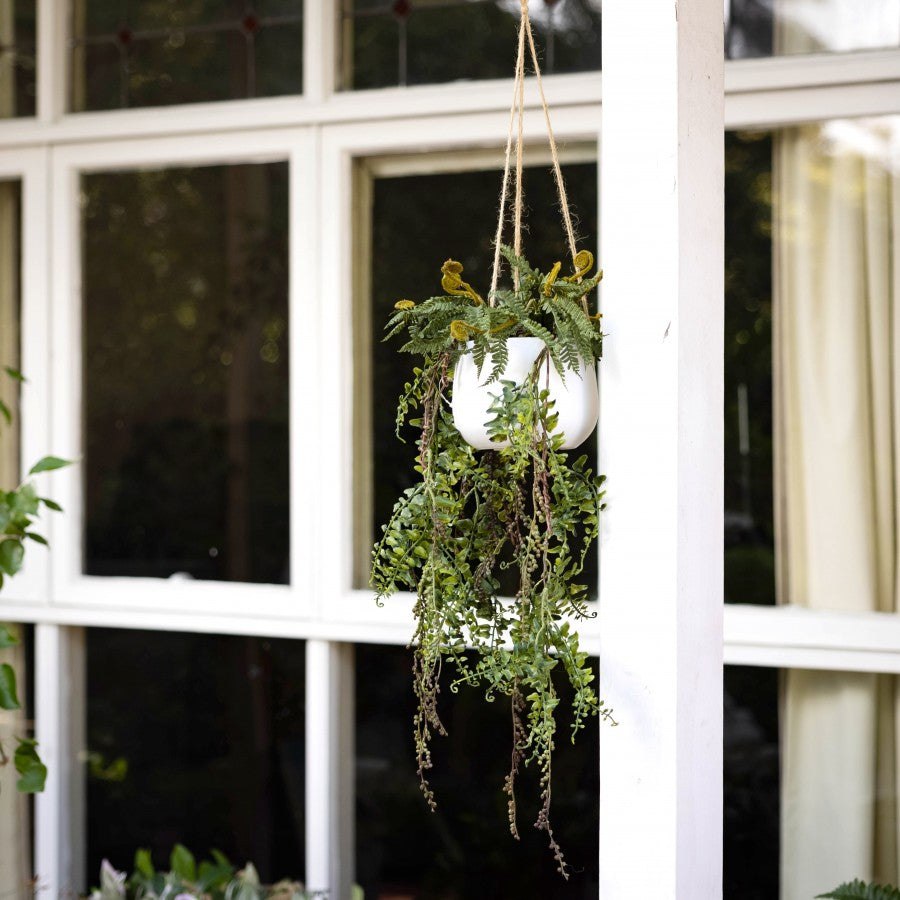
[(330, 762), (320, 40), (59, 717), (52, 60)]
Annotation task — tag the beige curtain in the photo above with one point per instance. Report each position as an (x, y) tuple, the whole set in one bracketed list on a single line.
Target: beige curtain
[(837, 438)]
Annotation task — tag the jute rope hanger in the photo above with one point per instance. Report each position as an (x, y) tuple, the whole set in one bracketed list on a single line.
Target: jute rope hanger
[(516, 117)]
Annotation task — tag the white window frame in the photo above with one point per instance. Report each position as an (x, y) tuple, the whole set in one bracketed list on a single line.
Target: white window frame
[(322, 134)]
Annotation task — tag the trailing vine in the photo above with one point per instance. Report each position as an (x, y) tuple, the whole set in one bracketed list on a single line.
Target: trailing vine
[(528, 509)]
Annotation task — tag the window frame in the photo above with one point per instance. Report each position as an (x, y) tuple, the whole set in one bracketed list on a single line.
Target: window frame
[(323, 134)]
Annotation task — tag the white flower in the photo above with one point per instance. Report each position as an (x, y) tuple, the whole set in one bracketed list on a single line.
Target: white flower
[(112, 883)]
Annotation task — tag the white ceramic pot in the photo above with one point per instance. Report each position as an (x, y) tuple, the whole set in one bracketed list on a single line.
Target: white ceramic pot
[(577, 402)]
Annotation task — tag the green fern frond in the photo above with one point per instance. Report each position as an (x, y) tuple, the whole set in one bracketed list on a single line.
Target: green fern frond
[(859, 890)]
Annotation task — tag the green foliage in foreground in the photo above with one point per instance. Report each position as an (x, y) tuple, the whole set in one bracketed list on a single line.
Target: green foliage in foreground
[(215, 879), (548, 307), (526, 513), (858, 890), (19, 509)]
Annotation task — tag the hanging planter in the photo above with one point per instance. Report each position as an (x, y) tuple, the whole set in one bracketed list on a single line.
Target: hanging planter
[(506, 385), (575, 399)]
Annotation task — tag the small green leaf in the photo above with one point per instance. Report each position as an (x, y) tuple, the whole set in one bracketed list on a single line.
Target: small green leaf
[(8, 697), (183, 863), (48, 464), (221, 859), (7, 638), (11, 555), (29, 766), (143, 863), (5, 412), (51, 504), (14, 373), (24, 499), (37, 538)]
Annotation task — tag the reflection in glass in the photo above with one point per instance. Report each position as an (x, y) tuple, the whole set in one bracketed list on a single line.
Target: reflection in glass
[(414, 230), (185, 367), (780, 27), (18, 58), (751, 772), (749, 517), (407, 42), (195, 739), (464, 848), (143, 53)]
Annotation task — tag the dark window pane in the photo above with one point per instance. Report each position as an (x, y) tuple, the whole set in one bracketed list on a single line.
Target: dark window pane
[(406, 43), (464, 849), (143, 53), (749, 515), (186, 373), (197, 739), (751, 801), (414, 229), (760, 28), (18, 59)]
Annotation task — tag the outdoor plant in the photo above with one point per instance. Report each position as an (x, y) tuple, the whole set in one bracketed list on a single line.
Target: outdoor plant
[(859, 890), (215, 879), (19, 508), (518, 519)]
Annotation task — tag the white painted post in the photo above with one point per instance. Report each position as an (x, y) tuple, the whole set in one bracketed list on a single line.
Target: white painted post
[(59, 717), (321, 24), (330, 768), (661, 446)]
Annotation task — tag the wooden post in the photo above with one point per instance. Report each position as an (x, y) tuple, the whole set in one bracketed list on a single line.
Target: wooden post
[(661, 446)]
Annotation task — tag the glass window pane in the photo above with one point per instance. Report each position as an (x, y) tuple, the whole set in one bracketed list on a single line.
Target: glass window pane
[(18, 58), (464, 848), (828, 739), (749, 514), (414, 230), (812, 231), (410, 42), (185, 283), (783, 27), (195, 739), (144, 53), (751, 784)]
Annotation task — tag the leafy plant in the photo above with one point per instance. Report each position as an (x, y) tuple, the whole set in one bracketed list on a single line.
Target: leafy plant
[(215, 879), (859, 890), (526, 511), (19, 508)]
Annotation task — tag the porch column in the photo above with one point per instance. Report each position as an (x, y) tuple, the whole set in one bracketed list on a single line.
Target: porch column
[(661, 447)]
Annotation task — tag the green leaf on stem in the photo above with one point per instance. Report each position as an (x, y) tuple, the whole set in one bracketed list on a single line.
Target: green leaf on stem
[(8, 697)]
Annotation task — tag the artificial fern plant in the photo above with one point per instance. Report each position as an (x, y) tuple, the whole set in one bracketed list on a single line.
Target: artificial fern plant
[(526, 512), (859, 890)]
